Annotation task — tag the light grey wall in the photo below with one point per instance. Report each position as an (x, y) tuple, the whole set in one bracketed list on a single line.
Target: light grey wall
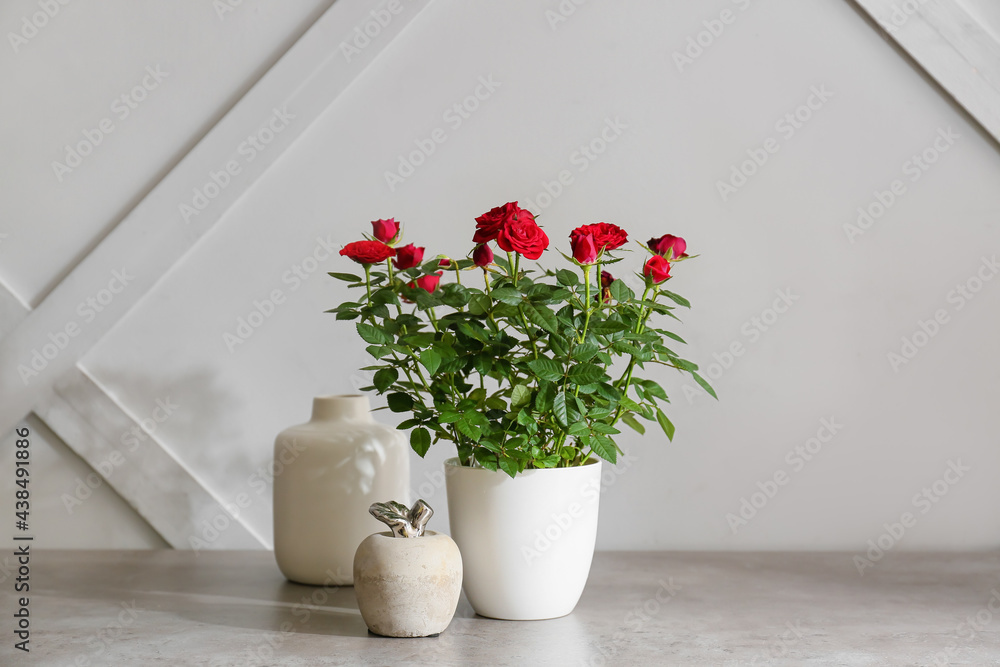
[(851, 295)]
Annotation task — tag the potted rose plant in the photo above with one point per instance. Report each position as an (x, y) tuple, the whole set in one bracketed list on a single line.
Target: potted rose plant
[(529, 373)]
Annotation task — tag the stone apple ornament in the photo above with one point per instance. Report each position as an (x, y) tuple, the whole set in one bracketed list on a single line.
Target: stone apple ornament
[(407, 580)]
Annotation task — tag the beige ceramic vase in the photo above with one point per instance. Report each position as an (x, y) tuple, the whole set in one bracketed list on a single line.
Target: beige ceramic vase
[(328, 472)]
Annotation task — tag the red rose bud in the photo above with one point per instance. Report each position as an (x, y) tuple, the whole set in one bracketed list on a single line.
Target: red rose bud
[(606, 236), (584, 250), (523, 236), (668, 243), (385, 231), (482, 255), (606, 280), (408, 257), (368, 252), (657, 269), (489, 224), (428, 283), (446, 262)]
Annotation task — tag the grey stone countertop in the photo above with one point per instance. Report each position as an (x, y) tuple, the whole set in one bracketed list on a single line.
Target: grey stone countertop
[(639, 608)]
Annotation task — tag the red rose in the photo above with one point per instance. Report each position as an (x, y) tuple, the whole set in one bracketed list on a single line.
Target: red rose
[(489, 224), (385, 231), (408, 257), (523, 237), (368, 252), (428, 283), (482, 255), (668, 243), (584, 250), (606, 236), (657, 268), (445, 262)]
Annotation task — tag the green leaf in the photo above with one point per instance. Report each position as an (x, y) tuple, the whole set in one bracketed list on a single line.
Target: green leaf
[(346, 277), (519, 395), (449, 417), (507, 295), (385, 378), (559, 409), (676, 298), (400, 402), (633, 423), (653, 389), (496, 403), (372, 334), (418, 340), (567, 277), (509, 466), (544, 397), (620, 291), (431, 360), (605, 327), (542, 316), (486, 458), (704, 384), (468, 430), (605, 448), (585, 351), (524, 418), (420, 441), (585, 374), (546, 369), (665, 424), (479, 305)]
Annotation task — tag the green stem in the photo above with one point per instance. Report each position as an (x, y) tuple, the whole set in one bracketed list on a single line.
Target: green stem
[(586, 322), (368, 280)]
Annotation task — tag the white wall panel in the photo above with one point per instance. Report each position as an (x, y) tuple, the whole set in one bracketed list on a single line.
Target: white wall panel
[(547, 88), (782, 231)]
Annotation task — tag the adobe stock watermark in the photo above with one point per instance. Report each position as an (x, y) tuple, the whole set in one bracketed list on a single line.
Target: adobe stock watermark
[(634, 621), (562, 12), (786, 126), (121, 108), (32, 24), (698, 43), (924, 501), (266, 648), (109, 634), (363, 35), (751, 331), (264, 308), (563, 522), (130, 440), (968, 630), (247, 151), (913, 169), (88, 310), (900, 14), (454, 117), (928, 329), (796, 459), (581, 159), (224, 7)]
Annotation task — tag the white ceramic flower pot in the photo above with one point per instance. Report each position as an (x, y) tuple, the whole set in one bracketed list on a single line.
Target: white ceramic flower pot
[(527, 543), (328, 472)]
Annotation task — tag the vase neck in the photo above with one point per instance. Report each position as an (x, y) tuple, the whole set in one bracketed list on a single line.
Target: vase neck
[(345, 407)]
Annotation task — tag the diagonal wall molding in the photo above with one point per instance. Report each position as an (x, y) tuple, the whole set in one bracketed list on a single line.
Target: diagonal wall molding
[(952, 47), (153, 237), (143, 472), (145, 246)]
